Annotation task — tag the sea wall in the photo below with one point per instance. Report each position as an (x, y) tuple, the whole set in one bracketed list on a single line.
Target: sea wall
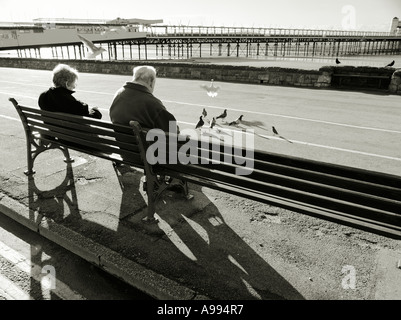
[(322, 78), (186, 70), (361, 77)]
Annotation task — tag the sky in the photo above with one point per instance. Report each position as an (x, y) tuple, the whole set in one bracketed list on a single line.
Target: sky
[(369, 15)]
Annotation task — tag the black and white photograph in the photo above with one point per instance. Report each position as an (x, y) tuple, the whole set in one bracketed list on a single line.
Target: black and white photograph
[(200, 158)]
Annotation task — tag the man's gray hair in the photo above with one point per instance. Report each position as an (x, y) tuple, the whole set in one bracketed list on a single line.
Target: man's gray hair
[(144, 73), (63, 74)]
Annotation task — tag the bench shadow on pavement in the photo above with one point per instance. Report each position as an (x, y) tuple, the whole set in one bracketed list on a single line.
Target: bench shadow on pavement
[(191, 243), (194, 245), (51, 203)]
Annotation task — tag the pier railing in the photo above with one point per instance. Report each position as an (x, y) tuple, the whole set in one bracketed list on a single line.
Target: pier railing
[(177, 42), (196, 31)]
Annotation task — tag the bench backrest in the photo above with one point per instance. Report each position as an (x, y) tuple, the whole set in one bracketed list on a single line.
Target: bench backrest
[(272, 174), (97, 137)]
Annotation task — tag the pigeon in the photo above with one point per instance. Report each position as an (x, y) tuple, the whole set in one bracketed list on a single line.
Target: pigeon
[(239, 119), (391, 64), (204, 113), (337, 61), (223, 115), (200, 123), (212, 123), (211, 89), (274, 130), (93, 50)]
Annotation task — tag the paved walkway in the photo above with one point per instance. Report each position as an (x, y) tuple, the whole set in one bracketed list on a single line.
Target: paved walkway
[(215, 246)]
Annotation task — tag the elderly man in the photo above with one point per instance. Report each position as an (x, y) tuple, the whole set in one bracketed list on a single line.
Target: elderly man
[(135, 101)]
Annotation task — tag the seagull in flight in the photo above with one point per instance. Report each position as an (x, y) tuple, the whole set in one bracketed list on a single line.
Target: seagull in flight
[(93, 50), (239, 119), (211, 89), (391, 64)]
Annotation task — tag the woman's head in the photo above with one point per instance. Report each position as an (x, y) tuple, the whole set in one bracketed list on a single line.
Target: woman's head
[(65, 76)]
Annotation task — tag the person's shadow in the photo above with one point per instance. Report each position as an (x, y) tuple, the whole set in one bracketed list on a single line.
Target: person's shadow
[(191, 244), (197, 248)]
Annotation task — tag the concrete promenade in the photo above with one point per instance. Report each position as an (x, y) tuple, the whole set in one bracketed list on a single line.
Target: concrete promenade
[(216, 246)]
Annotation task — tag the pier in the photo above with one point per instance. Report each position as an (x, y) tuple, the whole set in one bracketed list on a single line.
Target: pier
[(186, 42)]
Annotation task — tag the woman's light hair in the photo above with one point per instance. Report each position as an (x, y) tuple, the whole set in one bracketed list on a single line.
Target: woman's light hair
[(144, 73), (63, 74)]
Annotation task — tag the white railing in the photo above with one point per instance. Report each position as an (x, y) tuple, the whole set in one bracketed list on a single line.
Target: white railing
[(171, 31)]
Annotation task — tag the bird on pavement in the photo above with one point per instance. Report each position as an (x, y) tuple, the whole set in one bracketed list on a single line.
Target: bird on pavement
[(391, 64), (204, 113), (223, 115), (93, 50), (274, 130), (211, 89), (212, 123), (237, 121), (337, 61), (200, 123)]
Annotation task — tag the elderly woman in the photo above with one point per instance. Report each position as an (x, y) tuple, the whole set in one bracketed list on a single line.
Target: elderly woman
[(59, 98)]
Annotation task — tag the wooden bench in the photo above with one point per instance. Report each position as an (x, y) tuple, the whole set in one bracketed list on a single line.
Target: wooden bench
[(364, 199), (377, 84)]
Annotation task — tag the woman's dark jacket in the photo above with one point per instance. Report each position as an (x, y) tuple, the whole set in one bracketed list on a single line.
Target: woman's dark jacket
[(61, 100)]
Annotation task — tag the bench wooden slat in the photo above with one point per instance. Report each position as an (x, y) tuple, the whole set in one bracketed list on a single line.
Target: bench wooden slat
[(309, 209), (35, 125), (333, 180), (329, 203), (57, 124), (102, 150), (264, 159), (330, 168), (69, 117), (260, 181), (340, 180), (219, 179)]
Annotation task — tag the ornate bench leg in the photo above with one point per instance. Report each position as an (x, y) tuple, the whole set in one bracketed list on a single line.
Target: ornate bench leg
[(30, 170), (31, 155), (187, 195), (151, 185), (68, 158), (35, 146), (155, 184), (118, 174)]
